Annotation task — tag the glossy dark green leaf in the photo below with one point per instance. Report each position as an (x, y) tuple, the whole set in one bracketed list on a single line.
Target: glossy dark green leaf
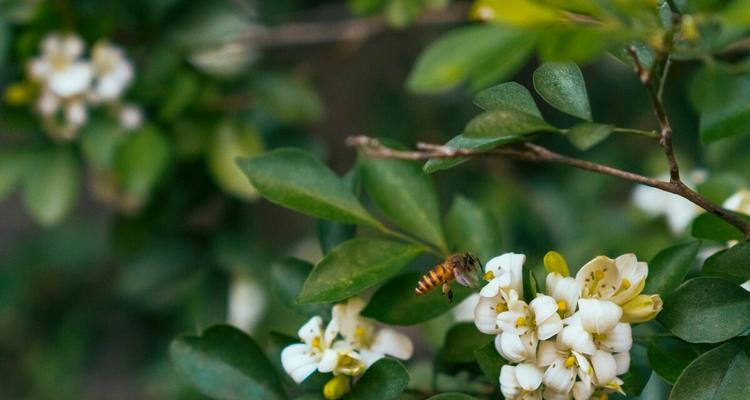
[(384, 380), (669, 268), (461, 341), (709, 226), (141, 162), (354, 266), (639, 373), (395, 303), (331, 234), (707, 310), (588, 134), (295, 179), (481, 54), (490, 361), (224, 363), (561, 85), (510, 95), (470, 228), (51, 190), (732, 264), (669, 356), (287, 278), (505, 122), (406, 196), (723, 101), (718, 374), (465, 143), (452, 396)]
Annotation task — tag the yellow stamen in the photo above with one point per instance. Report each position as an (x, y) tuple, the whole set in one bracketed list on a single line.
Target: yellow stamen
[(316, 342), (570, 362), (521, 321), (336, 388), (501, 307), (625, 284), (598, 275), (603, 396), (562, 306), (359, 332), (488, 276)]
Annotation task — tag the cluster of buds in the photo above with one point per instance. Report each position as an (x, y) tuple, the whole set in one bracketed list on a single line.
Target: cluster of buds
[(346, 347), (69, 84), (576, 338)]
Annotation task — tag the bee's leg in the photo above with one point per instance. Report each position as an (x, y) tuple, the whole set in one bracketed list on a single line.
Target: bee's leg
[(447, 290)]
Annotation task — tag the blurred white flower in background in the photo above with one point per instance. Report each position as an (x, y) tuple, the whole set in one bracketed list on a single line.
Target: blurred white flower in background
[(69, 84), (678, 211), (247, 302)]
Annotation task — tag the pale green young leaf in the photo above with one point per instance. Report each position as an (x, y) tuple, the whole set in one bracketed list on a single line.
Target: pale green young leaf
[(141, 161), (51, 190), (718, 374), (354, 266), (406, 196), (384, 380), (588, 134), (669, 268), (232, 139), (510, 95), (472, 229), (505, 122), (561, 85), (224, 363), (294, 179), (707, 310)]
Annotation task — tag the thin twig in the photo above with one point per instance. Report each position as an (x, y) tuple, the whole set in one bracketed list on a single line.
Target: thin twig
[(660, 92)]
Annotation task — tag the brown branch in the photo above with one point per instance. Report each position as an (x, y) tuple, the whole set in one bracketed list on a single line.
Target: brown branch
[(538, 154), (353, 29)]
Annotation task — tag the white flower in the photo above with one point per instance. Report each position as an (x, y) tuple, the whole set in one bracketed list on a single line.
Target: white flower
[(563, 366), (678, 210), (517, 348), (76, 113), (524, 324), (619, 280), (598, 316), (131, 117), (360, 333), (59, 67), (739, 202), (565, 291), (246, 302), (342, 359), (300, 360), (488, 308), (504, 272), (574, 337), (48, 103), (602, 378), (521, 382), (112, 70)]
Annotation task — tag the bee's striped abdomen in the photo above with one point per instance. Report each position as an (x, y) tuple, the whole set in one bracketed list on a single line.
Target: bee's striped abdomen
[(432, 279)]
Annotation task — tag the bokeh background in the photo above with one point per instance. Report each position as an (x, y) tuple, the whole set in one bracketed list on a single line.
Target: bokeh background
[(90, 301)]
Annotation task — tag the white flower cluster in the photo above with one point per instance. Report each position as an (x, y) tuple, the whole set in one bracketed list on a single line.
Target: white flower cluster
[(347, 346), (69, 84), (574, 340)]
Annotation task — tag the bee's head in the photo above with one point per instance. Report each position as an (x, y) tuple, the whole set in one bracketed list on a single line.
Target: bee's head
[(471, 261)]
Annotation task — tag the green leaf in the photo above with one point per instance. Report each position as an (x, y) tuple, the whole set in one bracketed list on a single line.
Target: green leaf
[(505, 123), (14, 166), (332, 234), (384, 380), (395, 303), (489, 361), (225, 363), (509, 95), (470, 228), (588, 134), (461, 341), (99, 143), (406, 196), (530, 286), (233, 139), (723, 101), (462, 142), (639, 373), (453, 396), (295, 179), (481, 54), (709, 226), (732, 264), (561, 85), (354, 266), (707, 310), (669, 268), (51, 190), (718, 374), (287, 278), (288, 99), (141, 161), (669, 356)]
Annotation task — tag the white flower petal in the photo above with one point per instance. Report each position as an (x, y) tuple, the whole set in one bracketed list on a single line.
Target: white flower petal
[(550, 394), (298, 362), (393, 343), (369, 357), (544, 307), (598, 316), (529, 376), (311, 329), (619, 339), (574, 337), (599, 278), (491, 289), (512, 264), (622, 360), (508, 384), (508, 322), (563, 289), (632, 271), (582, 391), (485, 315), (550, 327), (547, 353), (605, 367), (329, 361), (559, 378), (71, 81), (515, 348)]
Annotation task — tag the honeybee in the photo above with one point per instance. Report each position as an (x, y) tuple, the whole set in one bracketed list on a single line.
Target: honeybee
[(459, 266)]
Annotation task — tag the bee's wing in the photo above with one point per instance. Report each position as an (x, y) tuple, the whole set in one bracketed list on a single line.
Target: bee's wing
[(466, 277)]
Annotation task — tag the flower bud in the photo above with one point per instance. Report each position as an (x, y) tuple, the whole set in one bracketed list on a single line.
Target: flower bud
[(336, 388), (642, 308), (555, 262)]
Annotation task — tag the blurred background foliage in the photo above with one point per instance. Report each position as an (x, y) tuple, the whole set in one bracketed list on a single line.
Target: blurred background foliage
[(113, 243)]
